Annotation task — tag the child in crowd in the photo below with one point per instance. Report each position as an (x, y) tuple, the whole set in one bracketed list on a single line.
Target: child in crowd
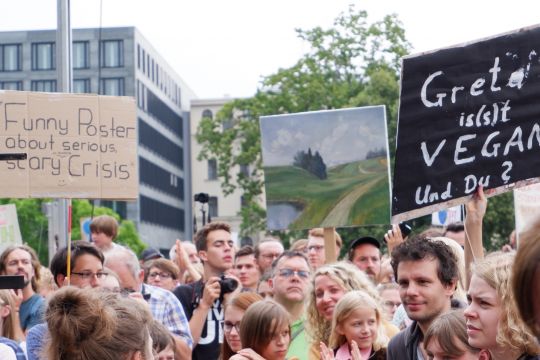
[(162, 342), (264, 332), (356, 329)]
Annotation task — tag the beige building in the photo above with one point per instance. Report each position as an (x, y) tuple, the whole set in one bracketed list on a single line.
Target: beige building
[(204, 177)]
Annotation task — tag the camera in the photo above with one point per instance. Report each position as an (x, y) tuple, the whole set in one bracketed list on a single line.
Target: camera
[(227, 285), (201, 197)]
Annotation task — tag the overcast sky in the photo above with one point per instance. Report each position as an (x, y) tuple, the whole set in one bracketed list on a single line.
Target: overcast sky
[(334, 134), (224, 47)]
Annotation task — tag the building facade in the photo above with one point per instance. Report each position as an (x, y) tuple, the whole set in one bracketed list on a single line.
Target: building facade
[(120, 61), (204, 174)]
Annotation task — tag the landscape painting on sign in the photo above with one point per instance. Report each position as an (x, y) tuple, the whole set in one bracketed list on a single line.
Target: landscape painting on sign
[(326, 168)]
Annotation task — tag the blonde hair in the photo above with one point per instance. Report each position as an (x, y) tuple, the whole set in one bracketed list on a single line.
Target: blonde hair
[(457, 250), (349, 278), (345, 307), (319, 232), (88, 324), (496, 270), (8, 329)]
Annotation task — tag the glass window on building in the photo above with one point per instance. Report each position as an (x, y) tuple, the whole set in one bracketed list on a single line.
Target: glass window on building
[(11, 85), (207, 113), (112, 86), (80, 55), (213, 206), (43, 56), (81, 86), (44, 85), (212, 169), (112, 53), (10, 57)]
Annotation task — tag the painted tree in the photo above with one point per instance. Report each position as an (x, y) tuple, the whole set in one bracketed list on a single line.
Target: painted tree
[(351, 64)]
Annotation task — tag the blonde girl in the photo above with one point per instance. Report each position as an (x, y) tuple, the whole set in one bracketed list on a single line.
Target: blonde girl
[(357, 331)]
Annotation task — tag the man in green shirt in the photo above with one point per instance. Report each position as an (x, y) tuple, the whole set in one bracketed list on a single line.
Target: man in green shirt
[(289, 281)]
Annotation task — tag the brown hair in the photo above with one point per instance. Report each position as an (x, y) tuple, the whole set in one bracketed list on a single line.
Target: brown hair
[(34, 259), (319, 232), (8, 330), (526, 274), (104, 224), (450, 330), (244, 251), (299, 245), (161, 338), (201, 235), (88, 324), (261, 322), (163, 265), (240, 301)]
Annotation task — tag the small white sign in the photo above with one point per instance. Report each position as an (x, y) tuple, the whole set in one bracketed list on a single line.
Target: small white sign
[(446, 216)]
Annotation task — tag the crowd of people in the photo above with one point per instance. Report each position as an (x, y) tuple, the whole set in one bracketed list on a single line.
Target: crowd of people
[(434, 295)]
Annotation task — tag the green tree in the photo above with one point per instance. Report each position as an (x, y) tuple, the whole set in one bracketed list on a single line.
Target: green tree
[(350, 64)]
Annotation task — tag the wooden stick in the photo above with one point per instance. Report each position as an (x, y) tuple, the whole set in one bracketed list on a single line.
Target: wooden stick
[(330, 244), (68, 272)]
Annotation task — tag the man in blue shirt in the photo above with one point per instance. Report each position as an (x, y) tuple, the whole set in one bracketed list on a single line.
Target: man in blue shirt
[(22, 260)]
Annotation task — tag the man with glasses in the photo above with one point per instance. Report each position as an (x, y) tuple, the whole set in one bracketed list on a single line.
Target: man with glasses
[(22, 260), (315, 247), (290, 281), (266, 251), (86, 271), (162, 273)]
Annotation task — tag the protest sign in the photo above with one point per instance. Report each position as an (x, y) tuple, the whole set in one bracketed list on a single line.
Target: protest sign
[(469, 115), (77, 146), (10, 233), (326, 168), (526, 206)]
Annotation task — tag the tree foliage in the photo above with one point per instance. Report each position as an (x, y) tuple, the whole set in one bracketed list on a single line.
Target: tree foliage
[(34, 224), (351, 64)]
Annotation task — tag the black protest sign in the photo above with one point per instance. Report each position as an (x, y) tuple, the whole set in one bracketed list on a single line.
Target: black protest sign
[(469, 115)]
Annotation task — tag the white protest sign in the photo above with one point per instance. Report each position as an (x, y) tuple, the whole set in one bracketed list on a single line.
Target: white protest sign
[(10, 234)]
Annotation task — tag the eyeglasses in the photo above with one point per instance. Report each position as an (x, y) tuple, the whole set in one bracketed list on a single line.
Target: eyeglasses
[(315, 248), (391, 304), (162, 275), (228, 326), (85, 275), (286, 273)]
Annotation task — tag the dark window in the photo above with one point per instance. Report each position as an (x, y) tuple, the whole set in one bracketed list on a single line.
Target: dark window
[(144, 61), (244, 170), (10, 57), (112, 86), (156, 212), (159, 144), (80, 55), (43, 56), (138, 56), (119, 206), (11, 85), (212, 169), (163, 113), (81, 86), (44, 85), (161, 179), (112, 53), (213, 206), (207, 114)]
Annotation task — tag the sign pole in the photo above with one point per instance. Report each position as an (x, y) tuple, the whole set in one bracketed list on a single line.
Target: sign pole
[(330, 244)]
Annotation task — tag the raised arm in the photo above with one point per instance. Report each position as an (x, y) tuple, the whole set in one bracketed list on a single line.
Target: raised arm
[(475, 211)]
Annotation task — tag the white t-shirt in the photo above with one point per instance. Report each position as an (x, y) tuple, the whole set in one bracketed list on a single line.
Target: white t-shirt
[(7, 353)]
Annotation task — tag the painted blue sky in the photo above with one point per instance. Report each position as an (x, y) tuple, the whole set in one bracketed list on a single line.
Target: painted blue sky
[(340, 136)]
